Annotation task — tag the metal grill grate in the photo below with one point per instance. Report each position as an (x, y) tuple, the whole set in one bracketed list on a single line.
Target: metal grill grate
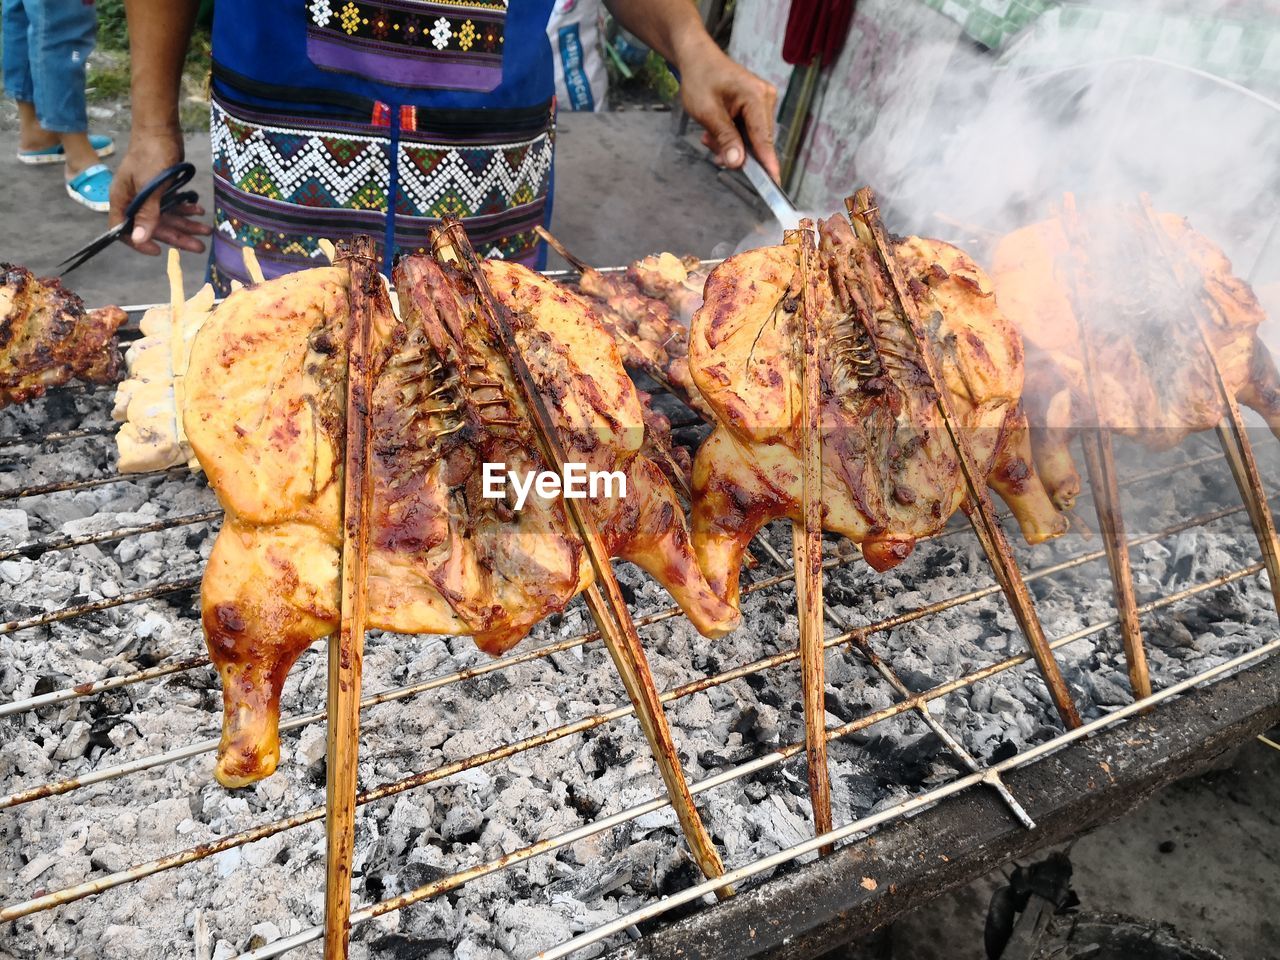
[(854, 640)]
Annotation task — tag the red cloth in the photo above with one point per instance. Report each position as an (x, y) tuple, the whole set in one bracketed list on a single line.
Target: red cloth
[(816, 28)]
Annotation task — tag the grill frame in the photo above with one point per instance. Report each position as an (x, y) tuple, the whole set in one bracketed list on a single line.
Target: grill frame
[(896, 815)]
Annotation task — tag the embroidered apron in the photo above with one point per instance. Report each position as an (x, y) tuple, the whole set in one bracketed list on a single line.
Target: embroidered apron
[(339, 117)]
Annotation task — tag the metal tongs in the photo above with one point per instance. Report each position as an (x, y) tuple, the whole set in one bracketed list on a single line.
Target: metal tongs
[(783, 210), (172, 180)]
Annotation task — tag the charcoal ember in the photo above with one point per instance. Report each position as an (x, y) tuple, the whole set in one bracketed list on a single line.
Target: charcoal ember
[(1109, 690), (907, 764), (14, 527)]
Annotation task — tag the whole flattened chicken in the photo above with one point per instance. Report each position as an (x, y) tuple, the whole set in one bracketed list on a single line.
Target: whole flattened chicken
[(265, 412), (1153, 379), (890, 474)]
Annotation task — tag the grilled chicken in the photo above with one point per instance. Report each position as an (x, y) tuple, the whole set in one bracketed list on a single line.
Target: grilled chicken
[(265, 414), (48, 338), (677, 281), (650, 338), (146, 405), (890, 475), (1153, 379)]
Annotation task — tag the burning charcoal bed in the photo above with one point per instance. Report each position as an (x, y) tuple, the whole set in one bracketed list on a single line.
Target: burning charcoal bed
[(510, 806)]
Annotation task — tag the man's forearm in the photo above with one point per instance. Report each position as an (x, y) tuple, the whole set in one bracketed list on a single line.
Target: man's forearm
[(159, 33), (671, 27)]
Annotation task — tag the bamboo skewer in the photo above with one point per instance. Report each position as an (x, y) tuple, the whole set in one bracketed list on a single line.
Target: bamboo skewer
[(177, 341), (806, 538), (980, 511), (1099, 458), (1099, 454), (603, 597), (1232, 434), (347, 652), (251, 265)]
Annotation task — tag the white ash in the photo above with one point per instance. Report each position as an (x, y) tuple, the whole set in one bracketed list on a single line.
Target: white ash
[(250, 895)]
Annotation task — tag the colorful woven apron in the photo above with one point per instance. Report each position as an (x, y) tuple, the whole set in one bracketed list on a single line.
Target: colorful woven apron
[(342, 118)]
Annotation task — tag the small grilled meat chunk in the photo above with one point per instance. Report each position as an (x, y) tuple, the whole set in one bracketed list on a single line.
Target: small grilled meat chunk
[(1153, 379), (676, 281), (265, 415), (650, 339), (890, 473), (47, 338)]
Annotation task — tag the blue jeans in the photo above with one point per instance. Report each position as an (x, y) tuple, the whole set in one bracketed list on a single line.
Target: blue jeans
[(46, 47)]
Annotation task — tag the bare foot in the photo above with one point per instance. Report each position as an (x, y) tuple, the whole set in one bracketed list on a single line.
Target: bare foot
[(32, 136), (79, 152)]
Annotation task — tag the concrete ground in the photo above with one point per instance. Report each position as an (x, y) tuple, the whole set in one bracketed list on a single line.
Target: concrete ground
[(1203, 855)]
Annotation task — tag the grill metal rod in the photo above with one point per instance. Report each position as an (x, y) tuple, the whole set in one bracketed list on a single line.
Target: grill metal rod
[(63, 542), (67, 613), (63, 486), (21, 440)]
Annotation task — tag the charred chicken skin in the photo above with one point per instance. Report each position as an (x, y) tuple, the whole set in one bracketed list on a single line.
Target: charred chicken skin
[(265, 413), (890, 475), (47, 338), (1153, 380)]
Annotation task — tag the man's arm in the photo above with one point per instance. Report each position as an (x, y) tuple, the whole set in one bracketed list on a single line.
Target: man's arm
[(159, 33), (715, 91)]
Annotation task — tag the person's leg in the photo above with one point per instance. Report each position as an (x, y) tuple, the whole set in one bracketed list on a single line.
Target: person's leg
[(16, 57), (63, 37)]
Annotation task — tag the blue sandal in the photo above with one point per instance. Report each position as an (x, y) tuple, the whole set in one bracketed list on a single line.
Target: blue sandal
[(102, 145), (91, 188)]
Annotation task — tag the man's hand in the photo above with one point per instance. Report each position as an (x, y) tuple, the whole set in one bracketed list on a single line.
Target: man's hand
[(147, 156), (725, 97), (716, 92)]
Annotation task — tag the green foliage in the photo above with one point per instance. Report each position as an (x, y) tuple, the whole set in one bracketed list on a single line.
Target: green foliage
[(108, 80), (113, 31), (658, 77)]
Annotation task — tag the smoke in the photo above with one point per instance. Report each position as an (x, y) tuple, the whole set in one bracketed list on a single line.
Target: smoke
[(964, 145), (967, 145)]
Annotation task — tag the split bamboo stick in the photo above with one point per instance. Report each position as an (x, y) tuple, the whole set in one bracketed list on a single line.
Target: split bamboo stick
[(251, 265), (862, 207), (603, 597), (806, 535), (346, 653), (1099, 455), (177, 341)]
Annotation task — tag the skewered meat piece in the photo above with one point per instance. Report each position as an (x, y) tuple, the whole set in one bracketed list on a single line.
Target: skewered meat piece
[(677, 281), (48, 338), (890, 473), (653, 340), (1153, 380), (265, 414), (649, 338), (146, 405)]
